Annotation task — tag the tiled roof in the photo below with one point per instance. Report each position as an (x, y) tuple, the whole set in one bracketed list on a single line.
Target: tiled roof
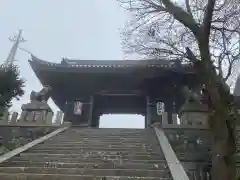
[(109, 64)]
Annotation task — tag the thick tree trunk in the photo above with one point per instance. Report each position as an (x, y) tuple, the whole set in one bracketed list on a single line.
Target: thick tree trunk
[(223, 150), (222, 123)]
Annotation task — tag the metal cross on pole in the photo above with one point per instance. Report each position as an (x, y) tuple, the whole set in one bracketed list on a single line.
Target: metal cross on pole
[(17, 40)]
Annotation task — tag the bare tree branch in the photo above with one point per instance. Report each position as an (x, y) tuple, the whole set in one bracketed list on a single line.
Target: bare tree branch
[(207, 20), (188, 7), (182, 16)]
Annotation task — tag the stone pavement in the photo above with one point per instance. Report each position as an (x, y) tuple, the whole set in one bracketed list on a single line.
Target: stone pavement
[(84, 153)]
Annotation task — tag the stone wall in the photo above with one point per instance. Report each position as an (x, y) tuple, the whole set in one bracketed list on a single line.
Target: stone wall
[(12, 136), (192, 146)]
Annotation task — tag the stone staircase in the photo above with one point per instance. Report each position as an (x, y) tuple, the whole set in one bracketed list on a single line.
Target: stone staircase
[(91, 154)]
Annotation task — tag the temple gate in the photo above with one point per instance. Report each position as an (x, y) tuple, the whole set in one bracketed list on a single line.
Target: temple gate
[(86, 89)]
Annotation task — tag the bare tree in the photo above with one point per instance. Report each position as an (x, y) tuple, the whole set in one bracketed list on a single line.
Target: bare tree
[(205, 33)]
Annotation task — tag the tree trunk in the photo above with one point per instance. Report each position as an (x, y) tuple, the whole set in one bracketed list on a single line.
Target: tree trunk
[(221, 122), (223, 146)]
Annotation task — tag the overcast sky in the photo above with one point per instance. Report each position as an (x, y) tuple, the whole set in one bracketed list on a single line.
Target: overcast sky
[(54, 29)]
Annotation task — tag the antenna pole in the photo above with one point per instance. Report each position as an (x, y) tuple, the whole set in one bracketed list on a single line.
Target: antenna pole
[(17, 40)]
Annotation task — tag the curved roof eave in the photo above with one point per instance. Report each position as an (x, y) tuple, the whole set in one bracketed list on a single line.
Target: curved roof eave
[(37, 63), (34, 63), (40, 67)]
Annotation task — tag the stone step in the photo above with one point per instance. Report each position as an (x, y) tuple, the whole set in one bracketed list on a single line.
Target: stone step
[(84, 143), (95, 156), (79, 138), (76, 128), (110, 145), (81, 160), (108, 165), (83, 153), (132, 139), (28, 176), (97, 131), (53, 141), (90, 171), (94, 153), (89, 140), (99, 141), (62, 137), (69, 131), (89, 149), (105, 134), (108, 130), (101, 148)]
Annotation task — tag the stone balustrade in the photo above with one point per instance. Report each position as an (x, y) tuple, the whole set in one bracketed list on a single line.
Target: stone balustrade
[(36, 117), (5, 116), (164, 119)]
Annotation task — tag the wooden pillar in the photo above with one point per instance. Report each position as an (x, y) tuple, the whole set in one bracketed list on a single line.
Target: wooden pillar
[(169, 110), (66, 112), (95, 119), (90, 116), (146, 122), (148, 115)]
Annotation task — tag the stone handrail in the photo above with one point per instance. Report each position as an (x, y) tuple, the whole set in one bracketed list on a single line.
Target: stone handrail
[(176, 168), (29, 145)]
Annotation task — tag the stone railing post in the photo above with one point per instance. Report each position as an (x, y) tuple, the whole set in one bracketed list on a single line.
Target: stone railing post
[(164, 118), (5, 117), (49, 118), (23, 116), (59, 116), (14, 117), (175, 119)]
